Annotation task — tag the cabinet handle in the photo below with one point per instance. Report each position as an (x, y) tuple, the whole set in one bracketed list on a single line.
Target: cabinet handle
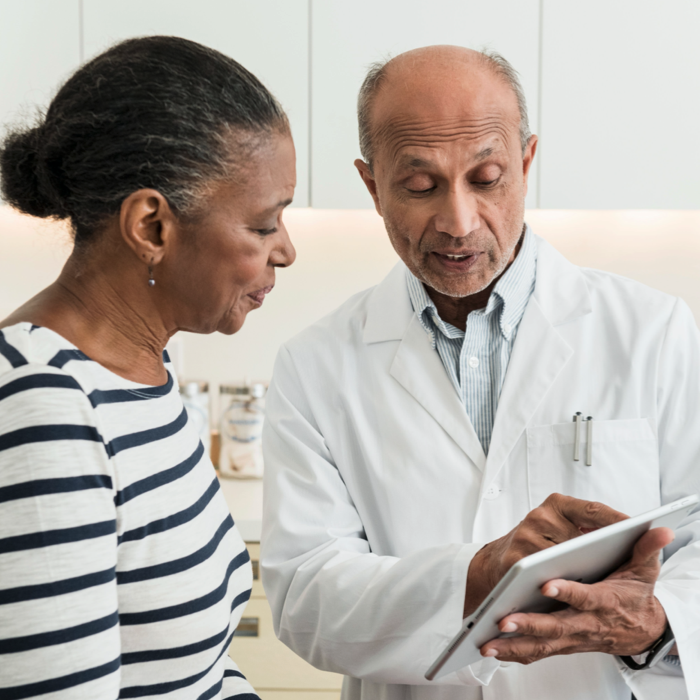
[(256, 569), (248, 627)]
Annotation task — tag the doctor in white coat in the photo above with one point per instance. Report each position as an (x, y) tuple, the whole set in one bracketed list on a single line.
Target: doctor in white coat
[(414, 438)]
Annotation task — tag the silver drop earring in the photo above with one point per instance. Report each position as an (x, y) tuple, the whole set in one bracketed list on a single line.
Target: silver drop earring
[(151, 281)]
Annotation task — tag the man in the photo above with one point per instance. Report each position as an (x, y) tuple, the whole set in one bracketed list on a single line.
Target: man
[(415, 437)]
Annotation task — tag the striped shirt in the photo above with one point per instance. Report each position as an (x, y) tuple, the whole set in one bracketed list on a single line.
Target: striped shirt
[(122, 573), (476, 361)]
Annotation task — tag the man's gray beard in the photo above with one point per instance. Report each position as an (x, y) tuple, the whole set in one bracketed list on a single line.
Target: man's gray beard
[(502, 264)]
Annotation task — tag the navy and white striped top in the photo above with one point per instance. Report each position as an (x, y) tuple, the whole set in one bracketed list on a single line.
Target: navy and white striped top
[(476, 361), (122, 573)]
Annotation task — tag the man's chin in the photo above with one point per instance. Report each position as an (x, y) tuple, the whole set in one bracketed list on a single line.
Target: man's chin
[(457, 288)]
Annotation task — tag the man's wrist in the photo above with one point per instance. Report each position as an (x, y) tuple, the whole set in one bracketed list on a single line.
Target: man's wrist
[(654, 654), (477, 582)]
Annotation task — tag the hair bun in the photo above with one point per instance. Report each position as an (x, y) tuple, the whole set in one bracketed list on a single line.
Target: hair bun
[(21, 178)]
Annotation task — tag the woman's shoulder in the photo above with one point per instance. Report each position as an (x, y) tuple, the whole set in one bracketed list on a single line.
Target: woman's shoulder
[(34, 349), (48, 426), (31, 364)]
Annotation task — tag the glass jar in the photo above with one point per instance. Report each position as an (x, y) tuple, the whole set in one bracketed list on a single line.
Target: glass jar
[(195, 398), (242, 410)]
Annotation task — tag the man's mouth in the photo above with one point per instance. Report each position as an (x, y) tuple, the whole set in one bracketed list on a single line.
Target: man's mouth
[(259, 295), (458, 261)]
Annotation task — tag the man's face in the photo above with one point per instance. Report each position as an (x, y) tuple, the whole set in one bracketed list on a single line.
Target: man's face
[(449, 176)]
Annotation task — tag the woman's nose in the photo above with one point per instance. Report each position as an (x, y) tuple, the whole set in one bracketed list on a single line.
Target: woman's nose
[(284, 253)]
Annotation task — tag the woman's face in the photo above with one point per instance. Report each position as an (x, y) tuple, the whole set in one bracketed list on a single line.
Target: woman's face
[(223, 265)]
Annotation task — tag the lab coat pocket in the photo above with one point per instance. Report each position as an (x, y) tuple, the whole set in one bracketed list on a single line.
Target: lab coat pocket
[(624, 471)]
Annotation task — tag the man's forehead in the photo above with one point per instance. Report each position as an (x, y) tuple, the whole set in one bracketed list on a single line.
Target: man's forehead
[(425, 101), (412, 156), (418, 143)]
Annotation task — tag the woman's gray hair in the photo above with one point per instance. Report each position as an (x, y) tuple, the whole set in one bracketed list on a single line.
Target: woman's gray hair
[(376, 75), (155, 112)]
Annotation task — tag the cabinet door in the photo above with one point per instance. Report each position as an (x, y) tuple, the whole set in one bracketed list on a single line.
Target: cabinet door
[(348, 36), (39, 49), (269, 37), (620, 103)]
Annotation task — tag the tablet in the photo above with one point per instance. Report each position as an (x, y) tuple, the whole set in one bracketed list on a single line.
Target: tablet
[(587, 558)]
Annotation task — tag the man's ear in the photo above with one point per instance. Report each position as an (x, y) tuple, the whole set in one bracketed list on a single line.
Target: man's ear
[(528, 157), (146, 223), (370, 182)]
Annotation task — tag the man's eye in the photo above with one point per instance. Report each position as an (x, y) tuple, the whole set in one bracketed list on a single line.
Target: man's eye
[(266, 231), (487, 183), (425, 191)]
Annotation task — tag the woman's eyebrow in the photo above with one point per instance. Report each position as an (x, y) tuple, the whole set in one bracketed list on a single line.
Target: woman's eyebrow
[(280, 205)]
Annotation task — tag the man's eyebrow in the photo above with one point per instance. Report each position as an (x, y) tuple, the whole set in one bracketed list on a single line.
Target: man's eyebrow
[(484, 153), (414, 162)]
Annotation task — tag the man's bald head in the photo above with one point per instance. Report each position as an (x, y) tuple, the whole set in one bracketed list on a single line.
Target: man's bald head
[(409, 67)]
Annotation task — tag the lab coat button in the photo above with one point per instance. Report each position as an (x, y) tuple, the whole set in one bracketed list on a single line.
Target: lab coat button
[(492, 492), (473, 361)]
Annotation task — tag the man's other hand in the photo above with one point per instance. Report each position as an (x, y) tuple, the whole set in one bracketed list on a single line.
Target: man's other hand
[(618, 615), (558, 519)]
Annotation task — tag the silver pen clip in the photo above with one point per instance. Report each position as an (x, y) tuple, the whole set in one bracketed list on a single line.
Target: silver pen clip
[(589, 441), (577, 435)]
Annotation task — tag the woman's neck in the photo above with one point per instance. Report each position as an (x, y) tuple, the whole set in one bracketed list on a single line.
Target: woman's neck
[(108, 316)]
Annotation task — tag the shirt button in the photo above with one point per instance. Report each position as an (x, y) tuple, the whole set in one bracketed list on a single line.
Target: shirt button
[(507, 328), (492, 492), (473, 362)]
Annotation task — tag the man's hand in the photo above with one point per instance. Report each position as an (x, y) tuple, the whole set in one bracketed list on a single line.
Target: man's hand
[(558, 519), (619, 615)]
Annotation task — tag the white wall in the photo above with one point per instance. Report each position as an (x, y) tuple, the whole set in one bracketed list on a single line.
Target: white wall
[(343, 252)]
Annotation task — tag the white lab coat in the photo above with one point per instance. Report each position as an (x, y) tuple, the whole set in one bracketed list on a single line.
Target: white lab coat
[(378, 492)]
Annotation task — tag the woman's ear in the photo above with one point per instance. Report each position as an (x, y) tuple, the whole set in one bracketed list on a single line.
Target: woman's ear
[(147, 223)]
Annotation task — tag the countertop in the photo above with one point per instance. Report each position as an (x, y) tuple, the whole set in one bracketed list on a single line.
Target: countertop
[(244, 498)]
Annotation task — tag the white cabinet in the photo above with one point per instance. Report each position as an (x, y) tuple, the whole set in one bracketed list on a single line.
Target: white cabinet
[(620, 104), (269, 37), (348, 36), (39, 49)]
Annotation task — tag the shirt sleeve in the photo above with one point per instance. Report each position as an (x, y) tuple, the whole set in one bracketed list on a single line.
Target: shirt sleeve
[(235, 684), (334, 602), (59, 623), (678, 586)]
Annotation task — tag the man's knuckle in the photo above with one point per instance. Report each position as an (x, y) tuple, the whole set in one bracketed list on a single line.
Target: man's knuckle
[(593, 508), (542, 650)]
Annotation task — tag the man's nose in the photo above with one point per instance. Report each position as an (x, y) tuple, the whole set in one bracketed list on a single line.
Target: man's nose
[(284, 253), (458, 215)]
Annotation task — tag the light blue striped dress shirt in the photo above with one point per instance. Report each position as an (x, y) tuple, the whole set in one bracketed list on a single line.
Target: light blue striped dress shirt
[(476, 361)]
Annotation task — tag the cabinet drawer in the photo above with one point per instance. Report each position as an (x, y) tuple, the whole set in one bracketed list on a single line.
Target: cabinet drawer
[(254, 551), (269, 664)]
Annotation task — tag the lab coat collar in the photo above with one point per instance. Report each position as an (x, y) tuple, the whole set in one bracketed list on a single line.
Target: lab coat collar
[(560, 290), (389, 309), (539, 353), (417, 366)]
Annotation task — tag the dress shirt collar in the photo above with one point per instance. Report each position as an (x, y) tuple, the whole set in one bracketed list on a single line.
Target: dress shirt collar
[(508, 298)]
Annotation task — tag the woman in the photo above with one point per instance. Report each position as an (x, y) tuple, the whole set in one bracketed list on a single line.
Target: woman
[(122, 573)]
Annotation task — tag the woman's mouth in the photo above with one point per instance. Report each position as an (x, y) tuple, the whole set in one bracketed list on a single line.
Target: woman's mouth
[(259, 295)]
